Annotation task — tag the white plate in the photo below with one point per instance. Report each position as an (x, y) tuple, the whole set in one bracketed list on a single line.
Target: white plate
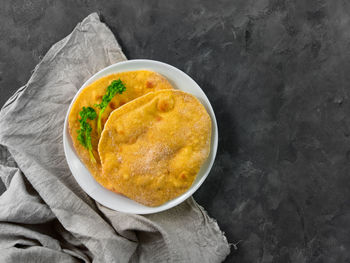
[(117, 202)]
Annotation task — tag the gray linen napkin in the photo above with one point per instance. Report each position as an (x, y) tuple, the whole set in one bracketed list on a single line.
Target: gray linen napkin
[(44, 215)]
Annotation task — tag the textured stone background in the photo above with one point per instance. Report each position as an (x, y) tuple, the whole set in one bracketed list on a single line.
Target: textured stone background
[(277, 73)]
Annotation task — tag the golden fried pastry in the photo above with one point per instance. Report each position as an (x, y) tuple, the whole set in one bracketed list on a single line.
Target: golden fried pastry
[(137, 83), (152, 148)]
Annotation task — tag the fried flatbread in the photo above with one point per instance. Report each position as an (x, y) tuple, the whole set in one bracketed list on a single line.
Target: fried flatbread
[(137, 84), (152, 148)]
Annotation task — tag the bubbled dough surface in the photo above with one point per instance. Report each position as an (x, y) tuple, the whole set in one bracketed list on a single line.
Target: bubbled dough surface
[(137, 84), (153, 147)]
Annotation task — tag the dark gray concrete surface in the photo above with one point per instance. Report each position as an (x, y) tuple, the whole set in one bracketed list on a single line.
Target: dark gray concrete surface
[(277, 75)]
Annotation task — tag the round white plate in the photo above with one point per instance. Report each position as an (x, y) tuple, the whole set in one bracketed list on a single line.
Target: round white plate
[(117, 202)]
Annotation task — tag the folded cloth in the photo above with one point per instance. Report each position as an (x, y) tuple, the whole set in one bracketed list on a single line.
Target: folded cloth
[(44, 215)]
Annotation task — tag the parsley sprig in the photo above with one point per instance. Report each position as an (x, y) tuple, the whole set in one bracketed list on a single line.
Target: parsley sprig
[(115, 87), (84, 133)]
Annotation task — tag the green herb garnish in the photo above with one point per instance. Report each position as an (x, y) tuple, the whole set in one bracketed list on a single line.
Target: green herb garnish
[(84, 134), (115, 87)]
